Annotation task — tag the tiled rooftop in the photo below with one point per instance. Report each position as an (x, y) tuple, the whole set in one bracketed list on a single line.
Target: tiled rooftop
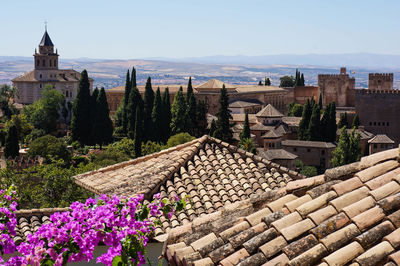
[(348, 215), (211, 172)]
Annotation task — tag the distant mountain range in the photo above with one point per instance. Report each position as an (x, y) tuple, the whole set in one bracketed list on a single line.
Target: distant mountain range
[(363, 60), (110, 73)]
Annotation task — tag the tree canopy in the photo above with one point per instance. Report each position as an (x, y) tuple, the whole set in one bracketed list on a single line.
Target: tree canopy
[(50, 148), (348, 149), (287, 81)]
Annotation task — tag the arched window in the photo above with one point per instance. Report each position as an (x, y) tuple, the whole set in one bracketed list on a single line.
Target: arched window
[(55, 62), (50, 62), (40, 75), (38, 62)]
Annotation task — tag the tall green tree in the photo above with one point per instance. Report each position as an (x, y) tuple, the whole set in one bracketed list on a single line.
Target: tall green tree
[(267, 82), (302, 83), (356, 121), (192, 115), (93, 114), (245, 134), (81, 120), (128, 87), (166, 116), (287, 81), (328, 123), (102, 126), (178, 114), (147, 111), (213, 126), (305, 121), (320, 101), (313, 131), (133, 78), (297, 78), (189, 91), (201, 119), (44, 114), (223, 126), (348, 149), (343, 120), (138, 132), (135, 100), (12, 147), (156, 117)]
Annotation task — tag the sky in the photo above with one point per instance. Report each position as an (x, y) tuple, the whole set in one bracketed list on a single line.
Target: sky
[(133, 29)]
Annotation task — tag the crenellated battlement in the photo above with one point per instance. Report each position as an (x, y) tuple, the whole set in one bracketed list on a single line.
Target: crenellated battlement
[(332, 75), (381, 75), (377, 92)]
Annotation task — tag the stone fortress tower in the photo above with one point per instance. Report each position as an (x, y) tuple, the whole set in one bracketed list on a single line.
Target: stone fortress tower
[(338, 88), (380, 81), (46, 72)]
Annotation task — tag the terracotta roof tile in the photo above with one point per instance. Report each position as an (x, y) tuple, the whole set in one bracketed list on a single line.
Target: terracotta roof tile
[(350, 215)]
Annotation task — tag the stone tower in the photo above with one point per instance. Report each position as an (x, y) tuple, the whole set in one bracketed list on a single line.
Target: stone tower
[(46, 59), (380, 81), (338, 88)]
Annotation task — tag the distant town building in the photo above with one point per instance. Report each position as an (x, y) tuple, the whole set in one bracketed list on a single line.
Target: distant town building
[(380, 143), (338, 88), (30, 85), (209, 93), (380, 81), (315, 153)]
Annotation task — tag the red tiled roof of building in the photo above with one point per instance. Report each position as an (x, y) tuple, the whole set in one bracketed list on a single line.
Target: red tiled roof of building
[(350, 214)]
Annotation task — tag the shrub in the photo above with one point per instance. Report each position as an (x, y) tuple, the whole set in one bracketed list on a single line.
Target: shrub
[(179, 139), (49, 147)]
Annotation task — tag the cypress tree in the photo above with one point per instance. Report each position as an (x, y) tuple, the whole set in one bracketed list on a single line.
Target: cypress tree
[(133, 78), (325, 135), (332, 123), (354, 146), (260, 83), (343, 120), (147, 110), (312, 102), (302, 83), (348, 149), (314, 133), (304, 122), (135, 100), (192, 115), (11, 146), (356, 121), (156, 117), (102, 127), (213, 126), (267, 82), (80, 124), (320, 101), (245, 134), (125, 103), (138, 131), (189, 91), (178, 114), (93, 114), (201, 119), (297, 79), (166, 121), (223, 127)]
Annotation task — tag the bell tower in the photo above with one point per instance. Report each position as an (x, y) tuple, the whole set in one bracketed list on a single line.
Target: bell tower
[(46, 59)]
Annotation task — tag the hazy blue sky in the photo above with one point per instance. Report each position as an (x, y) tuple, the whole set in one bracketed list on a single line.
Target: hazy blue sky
[(184, 28)]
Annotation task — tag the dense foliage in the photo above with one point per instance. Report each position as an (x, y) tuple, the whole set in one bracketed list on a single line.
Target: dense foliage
[(348, 149), (286, 81), (50, 148), (295, 109)]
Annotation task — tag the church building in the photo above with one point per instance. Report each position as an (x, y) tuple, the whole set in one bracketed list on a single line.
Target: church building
[(46, 72)]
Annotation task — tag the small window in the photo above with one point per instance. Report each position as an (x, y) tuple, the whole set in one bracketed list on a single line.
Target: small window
[(294, 149), (38, 62), (379, 123), (322, 152), (40, 85), (308, 150), (40, 76), (374, 123), (44, 62), (50, 62), (370, 123), (387, 123), (375, 146)]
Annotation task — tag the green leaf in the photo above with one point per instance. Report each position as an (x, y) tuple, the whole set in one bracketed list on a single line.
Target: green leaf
[(117, 261), (47, 262)]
